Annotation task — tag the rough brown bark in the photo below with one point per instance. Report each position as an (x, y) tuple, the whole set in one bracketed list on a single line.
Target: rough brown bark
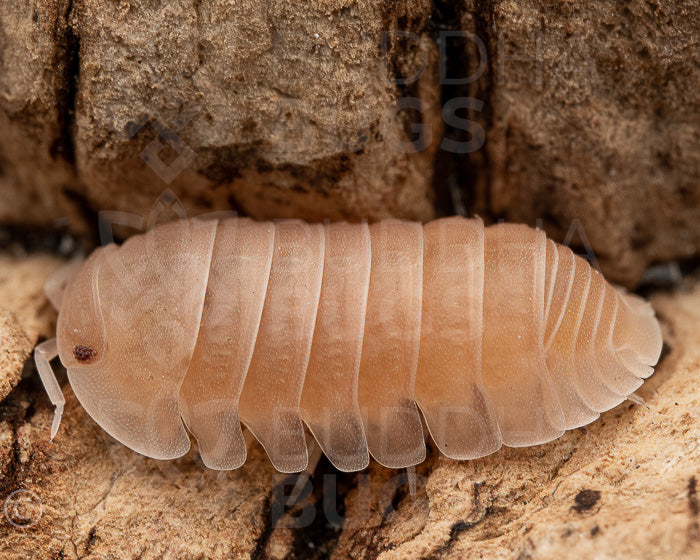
[(286, 110), (597, 129), (276, 110), (15, 350)]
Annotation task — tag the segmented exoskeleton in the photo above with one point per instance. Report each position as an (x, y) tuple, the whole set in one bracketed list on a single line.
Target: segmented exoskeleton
[(497, 336)]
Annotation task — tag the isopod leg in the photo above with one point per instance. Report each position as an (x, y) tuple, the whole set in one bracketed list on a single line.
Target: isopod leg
[(412, 480), (636, 399), (43, 354)]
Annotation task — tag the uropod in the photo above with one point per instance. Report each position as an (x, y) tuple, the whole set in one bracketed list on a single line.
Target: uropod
[(364, 334)]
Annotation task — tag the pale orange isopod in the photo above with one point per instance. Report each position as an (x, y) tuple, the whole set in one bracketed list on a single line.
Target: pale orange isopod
[(493, 335)]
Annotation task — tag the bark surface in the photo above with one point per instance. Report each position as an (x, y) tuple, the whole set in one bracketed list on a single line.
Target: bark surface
[(590, 115)]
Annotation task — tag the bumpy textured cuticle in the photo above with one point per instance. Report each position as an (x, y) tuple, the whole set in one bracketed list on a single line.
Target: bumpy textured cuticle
[(361, 333)]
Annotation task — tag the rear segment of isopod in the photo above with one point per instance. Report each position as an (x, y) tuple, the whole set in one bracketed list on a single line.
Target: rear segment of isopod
[(636, 336), (587, 367), (551, 346), (569, 285), (594, 387)]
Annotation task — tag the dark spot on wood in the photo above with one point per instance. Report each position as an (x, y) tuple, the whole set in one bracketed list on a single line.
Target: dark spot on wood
[(585, 500), (131, 128), (249, 125), (595, 530), (459, 528), (693, 496), (261, 541), (84, 354), (92, 536), (694, 529)]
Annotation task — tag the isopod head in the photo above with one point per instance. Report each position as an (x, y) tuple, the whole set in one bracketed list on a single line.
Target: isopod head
[(126, 331)]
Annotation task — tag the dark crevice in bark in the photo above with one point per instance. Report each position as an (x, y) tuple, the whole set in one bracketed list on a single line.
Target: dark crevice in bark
[(262, 540), (479, 181), (18, 241), (66, 58), (81, 202), (320, 538), (460, 180), (17, 409), (446, 16)]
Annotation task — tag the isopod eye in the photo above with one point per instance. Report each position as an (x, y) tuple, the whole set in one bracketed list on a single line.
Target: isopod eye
[(80, 330), (84, 354)]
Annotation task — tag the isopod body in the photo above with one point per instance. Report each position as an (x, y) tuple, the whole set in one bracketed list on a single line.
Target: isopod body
[(489, 336)]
